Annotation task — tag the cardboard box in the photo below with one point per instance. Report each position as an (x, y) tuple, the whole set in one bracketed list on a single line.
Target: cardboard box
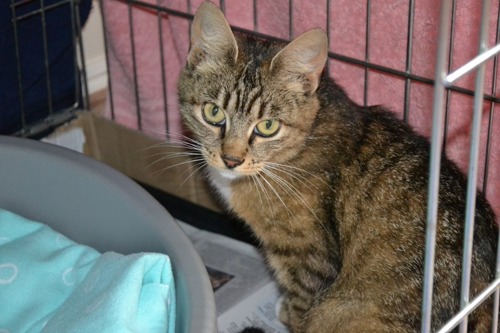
[(147, 160)]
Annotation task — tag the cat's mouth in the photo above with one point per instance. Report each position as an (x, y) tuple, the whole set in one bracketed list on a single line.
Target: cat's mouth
[(231, 172), (235, 173), (222, 170)]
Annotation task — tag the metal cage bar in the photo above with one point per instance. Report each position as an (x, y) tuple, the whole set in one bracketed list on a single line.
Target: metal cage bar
[(82, 84), (134, 65), (18, 65), (255, 17), (106, 51), (473, 163), (328, 34), (455, 321), (46, 56), (450, 64), (435, 166), (496, 296), (163, 76), (409, 48), (478, 61), (74, 34), (367, 52)]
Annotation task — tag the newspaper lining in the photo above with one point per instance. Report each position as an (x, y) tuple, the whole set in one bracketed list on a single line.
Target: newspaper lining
[(245, 293)]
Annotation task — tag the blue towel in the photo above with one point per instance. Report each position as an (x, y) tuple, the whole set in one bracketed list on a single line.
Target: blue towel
[(48, 283)]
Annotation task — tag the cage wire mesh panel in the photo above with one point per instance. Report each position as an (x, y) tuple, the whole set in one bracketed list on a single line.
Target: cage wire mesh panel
[(381, 52), (41, 81), (442, 80)]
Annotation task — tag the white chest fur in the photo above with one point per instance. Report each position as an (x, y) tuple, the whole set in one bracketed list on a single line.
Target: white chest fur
[(221, 180)]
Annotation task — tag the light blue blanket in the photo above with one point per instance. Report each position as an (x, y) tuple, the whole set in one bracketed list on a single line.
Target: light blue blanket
[(48, 283)]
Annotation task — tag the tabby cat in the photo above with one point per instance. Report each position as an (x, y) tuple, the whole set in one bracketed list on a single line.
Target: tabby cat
[(336, 193)]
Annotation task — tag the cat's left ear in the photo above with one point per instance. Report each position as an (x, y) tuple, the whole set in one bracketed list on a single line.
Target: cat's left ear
[(301, 62), (211, 37)]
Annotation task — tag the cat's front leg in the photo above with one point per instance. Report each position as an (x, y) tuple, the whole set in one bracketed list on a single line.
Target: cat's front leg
[(291, 316), (283, 314)]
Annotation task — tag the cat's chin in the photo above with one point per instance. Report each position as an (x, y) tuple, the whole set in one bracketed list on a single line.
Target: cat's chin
[(228, 174)]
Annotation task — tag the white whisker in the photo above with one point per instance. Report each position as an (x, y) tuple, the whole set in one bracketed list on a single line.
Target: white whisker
[(300, 170), (266, 194), (187, 148), (175, 143), (176, 154), (257, 188), (296, 176), (280, 199), (159, 172), (202, 164), (292, 190), (168, 156)]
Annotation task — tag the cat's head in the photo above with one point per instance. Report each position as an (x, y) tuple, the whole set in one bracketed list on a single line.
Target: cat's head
[(248, 102)]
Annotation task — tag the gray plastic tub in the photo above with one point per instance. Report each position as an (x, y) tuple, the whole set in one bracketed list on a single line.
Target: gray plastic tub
[(95, 205)]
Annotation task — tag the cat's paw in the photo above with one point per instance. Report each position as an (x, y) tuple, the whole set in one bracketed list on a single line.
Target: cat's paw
[(283, 315)]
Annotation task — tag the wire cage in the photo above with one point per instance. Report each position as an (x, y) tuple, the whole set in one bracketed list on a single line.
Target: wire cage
[(413, 57), (42, 64)]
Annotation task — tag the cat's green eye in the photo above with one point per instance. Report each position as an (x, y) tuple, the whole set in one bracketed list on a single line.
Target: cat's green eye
[(268, 128), (213, 115)]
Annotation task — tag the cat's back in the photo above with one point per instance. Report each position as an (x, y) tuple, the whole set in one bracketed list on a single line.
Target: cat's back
[(366, 143), (377, 163), (379, 169)]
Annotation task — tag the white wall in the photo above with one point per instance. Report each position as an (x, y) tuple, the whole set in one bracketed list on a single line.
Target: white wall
[(93, 44)]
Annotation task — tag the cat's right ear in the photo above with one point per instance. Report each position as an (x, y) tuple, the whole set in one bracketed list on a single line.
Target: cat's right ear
[(211, 37)]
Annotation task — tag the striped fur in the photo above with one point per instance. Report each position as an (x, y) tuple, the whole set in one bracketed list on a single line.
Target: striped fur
[(337, 197)]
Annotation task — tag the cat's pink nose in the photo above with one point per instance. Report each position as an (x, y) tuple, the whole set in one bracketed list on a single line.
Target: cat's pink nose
[(232, 162)]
